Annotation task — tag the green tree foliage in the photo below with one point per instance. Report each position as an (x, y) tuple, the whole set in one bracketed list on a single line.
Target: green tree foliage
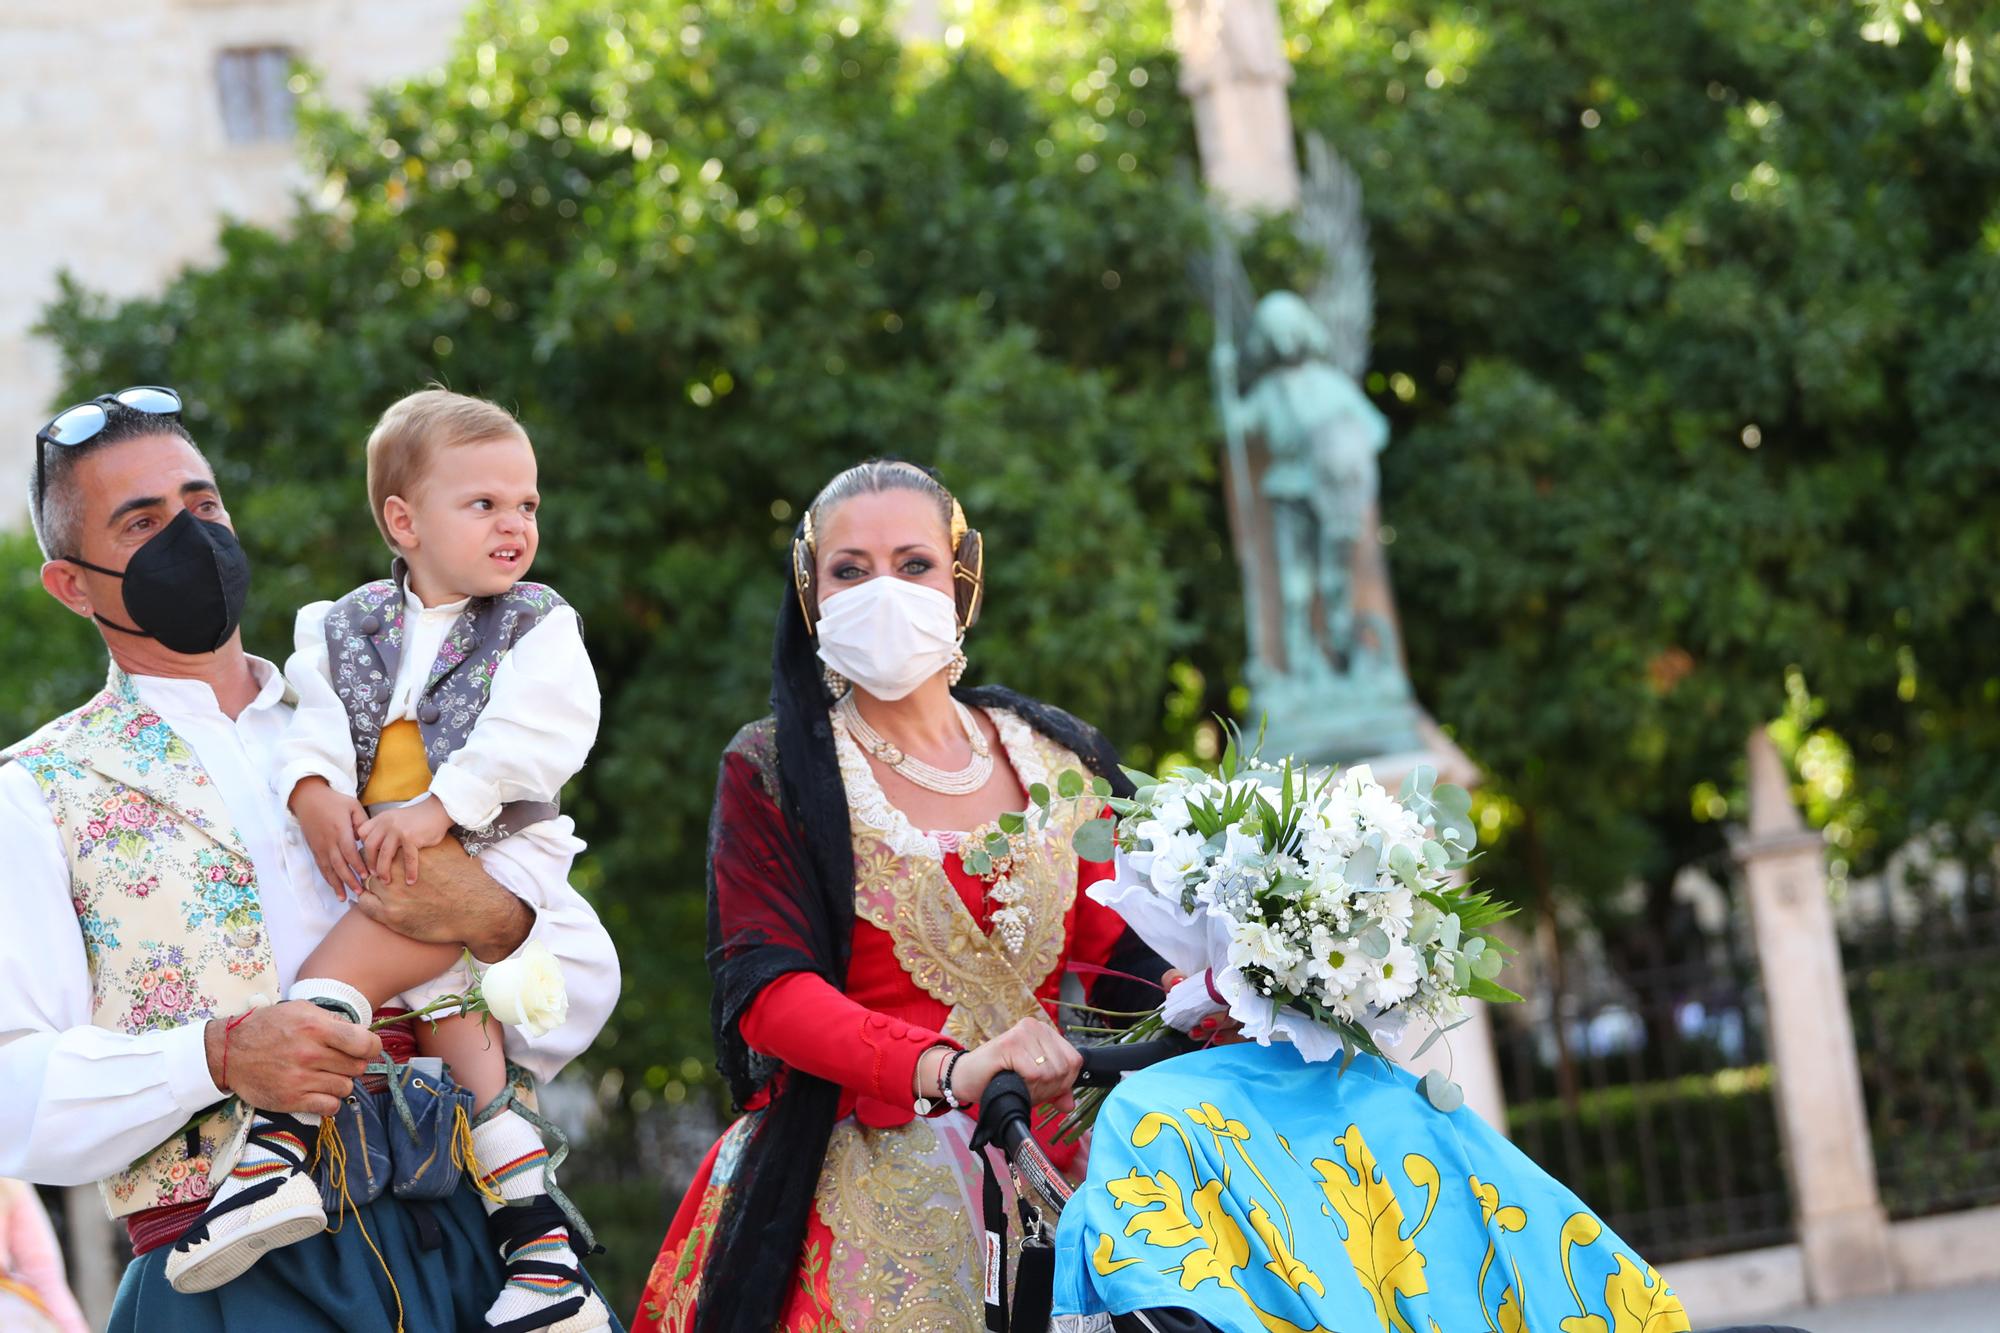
[(1687, 322), (714, 254)]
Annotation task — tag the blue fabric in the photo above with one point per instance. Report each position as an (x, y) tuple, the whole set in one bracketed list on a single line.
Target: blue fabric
[(333, 1283), (1268, 1195)]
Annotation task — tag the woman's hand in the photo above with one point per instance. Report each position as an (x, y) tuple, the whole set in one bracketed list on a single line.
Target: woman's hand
[(1031, 1048), (1218, 1030)]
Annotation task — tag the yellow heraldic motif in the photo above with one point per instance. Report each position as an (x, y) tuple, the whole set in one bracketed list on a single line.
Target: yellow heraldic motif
[(1505, 1218), (1284, 1265), (1641, 1302), (1102, 1260), (1387, 1262), (1170, 1218), (1638, 1299)]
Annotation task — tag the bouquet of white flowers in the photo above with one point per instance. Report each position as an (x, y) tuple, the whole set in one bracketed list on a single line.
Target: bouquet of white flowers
[(1314, 907)]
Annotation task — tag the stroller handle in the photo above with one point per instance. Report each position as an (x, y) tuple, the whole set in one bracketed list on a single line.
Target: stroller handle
[(1103, 1066), (1006, 1111)]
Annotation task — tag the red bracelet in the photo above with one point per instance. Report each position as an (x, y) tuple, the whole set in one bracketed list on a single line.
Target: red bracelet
[(228, 1028)]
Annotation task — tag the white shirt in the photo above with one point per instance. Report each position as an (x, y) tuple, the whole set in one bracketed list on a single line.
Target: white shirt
[(531, 738), (78, 1102)]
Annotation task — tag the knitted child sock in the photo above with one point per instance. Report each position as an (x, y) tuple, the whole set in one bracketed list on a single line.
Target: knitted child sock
[(269, 1199), (544, 1288)]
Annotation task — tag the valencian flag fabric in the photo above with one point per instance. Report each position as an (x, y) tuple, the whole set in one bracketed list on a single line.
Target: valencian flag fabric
[(1268, 1195)]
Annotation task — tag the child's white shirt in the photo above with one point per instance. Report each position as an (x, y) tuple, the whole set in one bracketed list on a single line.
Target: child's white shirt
[(533, 736)]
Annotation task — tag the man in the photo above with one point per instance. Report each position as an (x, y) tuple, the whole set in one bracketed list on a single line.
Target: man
[(161, 903)]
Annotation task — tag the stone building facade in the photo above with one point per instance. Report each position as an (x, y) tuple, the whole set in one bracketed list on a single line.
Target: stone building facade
[(129, 128)]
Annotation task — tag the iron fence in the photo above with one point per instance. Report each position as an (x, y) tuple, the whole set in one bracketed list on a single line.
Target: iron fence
[(1647, 1090), (1923, 983)]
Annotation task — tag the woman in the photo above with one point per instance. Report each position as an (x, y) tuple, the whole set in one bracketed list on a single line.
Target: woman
[(866, 982), (34, 1295)]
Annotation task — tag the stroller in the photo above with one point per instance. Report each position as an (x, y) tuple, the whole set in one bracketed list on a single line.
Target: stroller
[(1005, 1122)]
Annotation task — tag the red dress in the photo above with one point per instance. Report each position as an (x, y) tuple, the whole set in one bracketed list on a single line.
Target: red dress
[(893, 1241)]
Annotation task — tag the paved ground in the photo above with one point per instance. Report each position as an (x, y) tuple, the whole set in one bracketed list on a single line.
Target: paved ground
[(1974, 1308)]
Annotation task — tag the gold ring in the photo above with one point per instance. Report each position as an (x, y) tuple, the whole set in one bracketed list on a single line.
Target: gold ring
[(1041, 1060)]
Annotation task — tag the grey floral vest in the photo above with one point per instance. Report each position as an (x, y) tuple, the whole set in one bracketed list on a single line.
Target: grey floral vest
[(364, 649)]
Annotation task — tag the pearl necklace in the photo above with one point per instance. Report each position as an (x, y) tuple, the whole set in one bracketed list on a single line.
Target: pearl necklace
[(963, 782)]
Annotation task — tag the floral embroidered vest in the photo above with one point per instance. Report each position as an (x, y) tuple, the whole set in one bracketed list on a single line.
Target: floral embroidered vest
[(364, 652), (166, 897)]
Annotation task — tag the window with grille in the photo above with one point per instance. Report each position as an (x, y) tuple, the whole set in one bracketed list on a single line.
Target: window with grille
[(255, 86)]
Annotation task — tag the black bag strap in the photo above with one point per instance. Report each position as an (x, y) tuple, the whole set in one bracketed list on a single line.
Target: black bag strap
[(996, 1247)]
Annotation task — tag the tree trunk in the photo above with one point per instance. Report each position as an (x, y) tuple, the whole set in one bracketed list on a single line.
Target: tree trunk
[(1549, 937)]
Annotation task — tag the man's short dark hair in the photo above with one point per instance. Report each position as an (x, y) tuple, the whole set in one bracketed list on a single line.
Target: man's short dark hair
[(57, 510)]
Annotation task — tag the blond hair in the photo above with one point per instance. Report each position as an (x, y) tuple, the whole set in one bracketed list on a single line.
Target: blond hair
[(408, 438)]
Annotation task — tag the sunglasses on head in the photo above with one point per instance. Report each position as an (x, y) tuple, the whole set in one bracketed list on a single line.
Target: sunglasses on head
[(86, 421)]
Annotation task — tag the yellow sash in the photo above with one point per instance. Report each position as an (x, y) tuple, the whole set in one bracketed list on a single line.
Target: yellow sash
[(402, 773)]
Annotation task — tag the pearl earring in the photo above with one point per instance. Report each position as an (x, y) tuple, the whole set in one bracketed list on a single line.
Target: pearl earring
[(956, 671), (836, 684)]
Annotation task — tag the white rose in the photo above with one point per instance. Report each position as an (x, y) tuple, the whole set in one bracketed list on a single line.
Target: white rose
[(527, 991)]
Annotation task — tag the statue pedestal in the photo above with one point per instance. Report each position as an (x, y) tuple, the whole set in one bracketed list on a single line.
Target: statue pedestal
[(1434, 750), (1367, 719)]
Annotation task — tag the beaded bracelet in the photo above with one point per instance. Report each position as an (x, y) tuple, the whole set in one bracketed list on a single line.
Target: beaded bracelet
[(944, 1081)]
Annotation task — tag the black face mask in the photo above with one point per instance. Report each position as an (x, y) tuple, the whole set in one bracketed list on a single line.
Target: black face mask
[(185, 588)]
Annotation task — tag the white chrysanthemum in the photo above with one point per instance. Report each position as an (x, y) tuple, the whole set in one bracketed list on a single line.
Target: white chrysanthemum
[(1337, 965), (1394, 979)]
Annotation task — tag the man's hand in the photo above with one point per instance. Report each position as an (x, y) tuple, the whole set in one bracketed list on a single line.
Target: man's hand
[(452, 901), (331, 822), (404, 831), (293, 1056)]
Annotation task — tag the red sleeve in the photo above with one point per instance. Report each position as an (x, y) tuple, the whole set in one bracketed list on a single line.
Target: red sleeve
[(807, 1023), (1097, 930)]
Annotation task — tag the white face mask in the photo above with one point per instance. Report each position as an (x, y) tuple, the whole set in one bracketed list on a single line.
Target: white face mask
[(889, 635)]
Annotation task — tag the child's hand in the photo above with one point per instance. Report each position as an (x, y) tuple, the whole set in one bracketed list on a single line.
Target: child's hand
[(331, 823), (404, 831)]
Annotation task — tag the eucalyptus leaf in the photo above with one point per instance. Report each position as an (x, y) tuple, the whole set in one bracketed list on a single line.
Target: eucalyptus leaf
[(1361, 867), (1039, 794), (1095, 840), (1431, 1041), (1442, 1093), (1374, 942), (1012, 822), (1484, 988), (1069, 784), (1403, 864), (1100, 787)]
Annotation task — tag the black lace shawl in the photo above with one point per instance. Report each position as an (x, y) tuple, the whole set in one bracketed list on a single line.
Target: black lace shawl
[(799, 917)]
